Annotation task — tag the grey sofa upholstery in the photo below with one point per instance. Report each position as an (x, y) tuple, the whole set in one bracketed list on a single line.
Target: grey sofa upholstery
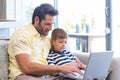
[(115, 65), (3, 60)]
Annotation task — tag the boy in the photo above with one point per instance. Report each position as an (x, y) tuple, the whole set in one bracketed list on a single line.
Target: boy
[(58, 55)]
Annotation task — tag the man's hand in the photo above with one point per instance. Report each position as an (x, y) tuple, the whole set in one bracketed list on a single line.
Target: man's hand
[(70, 68)]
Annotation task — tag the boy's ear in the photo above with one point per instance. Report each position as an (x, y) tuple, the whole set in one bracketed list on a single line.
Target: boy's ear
[(51, 41)]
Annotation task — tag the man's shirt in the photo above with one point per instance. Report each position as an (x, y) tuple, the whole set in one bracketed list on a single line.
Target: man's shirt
[(27, 40)]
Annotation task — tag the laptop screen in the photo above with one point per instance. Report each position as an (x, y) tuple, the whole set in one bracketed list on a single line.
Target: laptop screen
[(98, 65)]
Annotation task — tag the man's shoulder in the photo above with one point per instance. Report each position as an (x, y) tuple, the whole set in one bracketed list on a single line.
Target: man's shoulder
[(26, 29), (22, 32)]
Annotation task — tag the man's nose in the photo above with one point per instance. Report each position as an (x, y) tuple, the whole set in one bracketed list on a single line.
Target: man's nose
[(50, 28)]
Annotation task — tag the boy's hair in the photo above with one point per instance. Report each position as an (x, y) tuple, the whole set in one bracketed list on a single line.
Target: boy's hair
[(58, 33), (42, 10)]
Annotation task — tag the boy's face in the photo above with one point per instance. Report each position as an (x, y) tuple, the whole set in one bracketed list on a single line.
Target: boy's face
[(59, 44)]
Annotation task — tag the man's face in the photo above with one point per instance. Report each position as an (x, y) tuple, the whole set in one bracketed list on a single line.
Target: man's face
[(45, 25)]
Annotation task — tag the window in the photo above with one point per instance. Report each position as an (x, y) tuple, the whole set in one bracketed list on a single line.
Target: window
[(116, 26), (7, 10), (90, 12), (89, 16), (29, 5), (83, 16), (71, 14)]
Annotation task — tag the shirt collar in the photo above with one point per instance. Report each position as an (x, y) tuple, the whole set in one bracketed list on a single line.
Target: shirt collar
[(34, 32)]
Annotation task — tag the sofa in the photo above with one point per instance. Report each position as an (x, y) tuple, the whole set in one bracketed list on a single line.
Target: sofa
[(115, 64), (3, 60)]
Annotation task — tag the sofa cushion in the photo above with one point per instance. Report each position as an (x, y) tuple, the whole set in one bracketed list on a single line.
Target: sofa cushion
[(3, 60)]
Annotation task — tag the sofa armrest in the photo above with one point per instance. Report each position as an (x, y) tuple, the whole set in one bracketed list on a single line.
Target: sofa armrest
[(115, 65)]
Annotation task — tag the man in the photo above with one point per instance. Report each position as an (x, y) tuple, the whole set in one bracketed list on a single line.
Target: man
[(29, 47)]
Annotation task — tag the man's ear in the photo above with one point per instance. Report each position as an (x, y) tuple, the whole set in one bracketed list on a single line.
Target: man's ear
[(36, 19)]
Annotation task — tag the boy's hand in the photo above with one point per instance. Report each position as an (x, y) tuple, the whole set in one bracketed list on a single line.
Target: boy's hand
[(80, 64)]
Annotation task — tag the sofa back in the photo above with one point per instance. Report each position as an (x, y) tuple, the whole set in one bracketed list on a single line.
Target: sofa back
[(3, 60)]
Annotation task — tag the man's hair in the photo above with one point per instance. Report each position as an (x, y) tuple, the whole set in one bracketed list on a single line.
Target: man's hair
[(58, 33), (42, 10)]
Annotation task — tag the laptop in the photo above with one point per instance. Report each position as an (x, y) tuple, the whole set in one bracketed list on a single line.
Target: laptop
[(97, 67)]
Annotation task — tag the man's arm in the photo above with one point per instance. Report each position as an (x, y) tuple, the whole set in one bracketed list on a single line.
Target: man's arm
[(33, 68)]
